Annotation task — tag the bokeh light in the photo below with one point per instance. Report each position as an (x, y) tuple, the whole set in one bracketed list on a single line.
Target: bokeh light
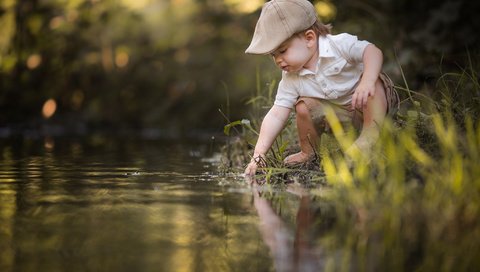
[(49, 143), (135, 4), (34, 61), (244, 6), (49, 108), (56, 22), (326, 10), (121, 59)]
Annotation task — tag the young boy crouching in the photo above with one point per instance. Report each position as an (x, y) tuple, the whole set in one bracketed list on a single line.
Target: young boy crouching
[(319, 70)]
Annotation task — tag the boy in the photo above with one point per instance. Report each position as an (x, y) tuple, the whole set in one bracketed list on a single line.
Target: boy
[(319, 70)]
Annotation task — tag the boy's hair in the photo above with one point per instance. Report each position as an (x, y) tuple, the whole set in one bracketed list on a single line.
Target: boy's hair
[(319, 29)]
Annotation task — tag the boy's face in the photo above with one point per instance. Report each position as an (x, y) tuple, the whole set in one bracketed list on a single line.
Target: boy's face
[(296, 53)]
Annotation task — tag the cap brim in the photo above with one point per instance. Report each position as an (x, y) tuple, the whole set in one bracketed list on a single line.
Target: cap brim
[(265, 45)]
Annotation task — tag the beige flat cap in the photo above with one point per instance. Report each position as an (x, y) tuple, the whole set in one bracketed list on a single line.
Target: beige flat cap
[(278, 21)]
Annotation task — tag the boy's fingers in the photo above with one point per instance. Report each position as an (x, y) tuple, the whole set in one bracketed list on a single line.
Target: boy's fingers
[(251, 169), (354, 97), (365, 99), (359, 101)]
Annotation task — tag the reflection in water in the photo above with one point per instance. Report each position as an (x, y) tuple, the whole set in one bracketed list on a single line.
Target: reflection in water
[(147, 206), (292, 248), (127, 207)]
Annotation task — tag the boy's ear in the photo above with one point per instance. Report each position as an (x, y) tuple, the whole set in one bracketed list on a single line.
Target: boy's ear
[(310, 35)]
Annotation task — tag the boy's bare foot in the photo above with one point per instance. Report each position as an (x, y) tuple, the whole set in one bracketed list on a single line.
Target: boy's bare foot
[(298, 158), (365, 145), (361, 148)]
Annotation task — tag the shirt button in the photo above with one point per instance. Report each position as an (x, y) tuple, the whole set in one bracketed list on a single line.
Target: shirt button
[(324, 84)]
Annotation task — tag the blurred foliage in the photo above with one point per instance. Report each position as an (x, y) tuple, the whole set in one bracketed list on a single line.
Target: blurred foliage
[(417, 35), (108, 65), (414, 204), (151, 64)]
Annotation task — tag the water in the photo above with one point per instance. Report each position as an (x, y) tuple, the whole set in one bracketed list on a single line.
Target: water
[(142, 206)]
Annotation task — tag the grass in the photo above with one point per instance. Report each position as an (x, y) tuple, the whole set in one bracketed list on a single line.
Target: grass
[(414, 204)]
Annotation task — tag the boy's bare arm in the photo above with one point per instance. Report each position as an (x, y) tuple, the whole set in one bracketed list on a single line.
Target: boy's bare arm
[(272, 125), (372, 65)]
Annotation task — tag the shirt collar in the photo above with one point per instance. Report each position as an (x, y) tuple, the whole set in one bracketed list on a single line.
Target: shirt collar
[(305, 72), (325, 49)]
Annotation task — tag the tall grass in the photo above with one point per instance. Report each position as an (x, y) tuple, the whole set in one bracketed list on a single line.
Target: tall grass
[(411, 208), (416, 204), (413, 204)]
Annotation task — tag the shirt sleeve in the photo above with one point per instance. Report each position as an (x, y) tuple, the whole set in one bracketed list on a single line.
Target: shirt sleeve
[(287, 92), (351, 46)]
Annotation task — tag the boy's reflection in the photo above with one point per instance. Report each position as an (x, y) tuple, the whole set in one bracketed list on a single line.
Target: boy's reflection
[(290, 251)]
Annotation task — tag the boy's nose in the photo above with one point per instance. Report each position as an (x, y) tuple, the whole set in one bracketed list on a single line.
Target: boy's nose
[(277, 60)]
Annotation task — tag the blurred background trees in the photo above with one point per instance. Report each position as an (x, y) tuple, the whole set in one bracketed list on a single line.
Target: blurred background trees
[(74, 66)]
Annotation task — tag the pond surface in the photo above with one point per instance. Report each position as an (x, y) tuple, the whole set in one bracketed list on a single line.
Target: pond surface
[(141, 205)]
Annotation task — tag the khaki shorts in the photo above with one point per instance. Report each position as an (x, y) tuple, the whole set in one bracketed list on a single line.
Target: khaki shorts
[(344, 113)]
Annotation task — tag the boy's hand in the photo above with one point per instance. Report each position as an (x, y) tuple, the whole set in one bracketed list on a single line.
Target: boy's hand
[(250, 172), (258, 160), (364, 90)]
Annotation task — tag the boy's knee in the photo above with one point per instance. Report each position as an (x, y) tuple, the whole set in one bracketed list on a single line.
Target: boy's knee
[(379, 88), (302, 110)]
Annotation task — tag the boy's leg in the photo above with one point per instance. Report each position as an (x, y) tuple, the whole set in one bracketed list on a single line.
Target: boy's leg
[(373, 116), (307, 135)]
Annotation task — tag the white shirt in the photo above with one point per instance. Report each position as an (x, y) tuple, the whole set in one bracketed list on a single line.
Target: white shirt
[(339, 67)]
